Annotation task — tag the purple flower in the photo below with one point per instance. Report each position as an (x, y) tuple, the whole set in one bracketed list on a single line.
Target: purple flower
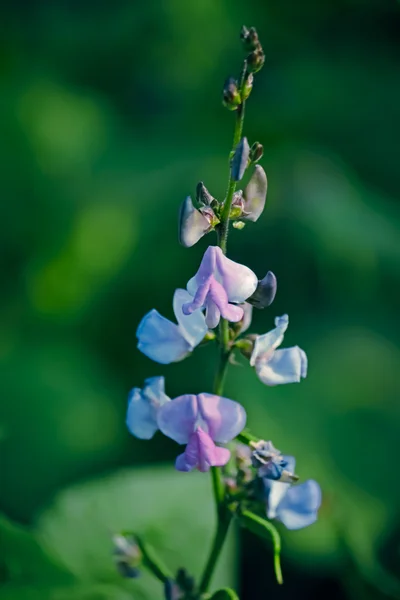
[(274, 366), (218, 286), (199, 421), (143, 405), (164, 341), (295, 506)]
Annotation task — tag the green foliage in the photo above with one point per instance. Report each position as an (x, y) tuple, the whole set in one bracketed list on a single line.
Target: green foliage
[(225, 594)]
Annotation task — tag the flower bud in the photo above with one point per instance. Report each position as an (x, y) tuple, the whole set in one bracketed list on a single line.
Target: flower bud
[(249, 38), (265, 292), (230, 94), (240, 159), (238, 224), (255, 195), (192, 224), (256, 152), (255, 60), (247, 86), (203, 196), (127, 556)]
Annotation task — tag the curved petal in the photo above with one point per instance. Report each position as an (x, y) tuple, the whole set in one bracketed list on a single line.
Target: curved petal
[(141, 416), (193, 327), (219, 296), (265, 345), (225, 418), (276, 490), (245, 321), (154, 390), (300, 505), (238, 280), (192, 224), (255, 194), (206, 269), (201, 453), (177, 418), (213, 314), (288, 365), (160, 339)]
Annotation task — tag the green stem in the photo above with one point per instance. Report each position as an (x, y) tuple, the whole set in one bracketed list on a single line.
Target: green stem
[(152, 561), (219, 539), (223, 514)]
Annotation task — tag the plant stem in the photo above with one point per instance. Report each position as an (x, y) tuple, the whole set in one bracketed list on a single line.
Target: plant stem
[(219, 539), (224, 516)]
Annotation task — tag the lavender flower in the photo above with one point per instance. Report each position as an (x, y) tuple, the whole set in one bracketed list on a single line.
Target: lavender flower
[(295, 506), (220, 284), (164, 341), (273, 366), (199, 421)]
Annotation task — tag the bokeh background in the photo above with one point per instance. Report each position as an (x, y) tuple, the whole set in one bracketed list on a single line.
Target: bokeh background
[(110, 114)]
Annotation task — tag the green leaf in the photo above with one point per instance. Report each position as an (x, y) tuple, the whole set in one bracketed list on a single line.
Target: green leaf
[(68, 592), (225, 594), (22, 556), (171, 511), (266, 530)]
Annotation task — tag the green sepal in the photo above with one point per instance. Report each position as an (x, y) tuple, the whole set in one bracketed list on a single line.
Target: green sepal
[(266, 530), (225, 594)]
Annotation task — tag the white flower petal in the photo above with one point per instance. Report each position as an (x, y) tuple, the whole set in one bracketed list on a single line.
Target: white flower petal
[(266, 344), (288, 365), (193, 327)]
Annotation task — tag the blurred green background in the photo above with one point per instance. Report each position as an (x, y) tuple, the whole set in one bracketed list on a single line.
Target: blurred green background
[(110, 115)]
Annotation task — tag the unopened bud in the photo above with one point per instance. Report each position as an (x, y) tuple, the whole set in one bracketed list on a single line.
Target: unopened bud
[(238, 224), (245, 345), (255, 60), (256, 152), (247, 86), (203, 196), (265, 292), (249, 38), (231, 95), (240, 159), (255, 195), (192, 224), (127, 556)]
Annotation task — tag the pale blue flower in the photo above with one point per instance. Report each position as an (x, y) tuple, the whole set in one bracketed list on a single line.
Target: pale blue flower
[(273, 366), (199, 421), (143, 406), (296, 506), (164, 341)]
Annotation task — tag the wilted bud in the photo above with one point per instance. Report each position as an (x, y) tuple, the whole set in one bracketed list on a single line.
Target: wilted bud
[(256, 152), (231, 95), (265, 292), (203, 196), (185, 581), (127, 555), (249, 38), (240, 159), (255, 195), (255, 60), (247, 86), (192, 224)]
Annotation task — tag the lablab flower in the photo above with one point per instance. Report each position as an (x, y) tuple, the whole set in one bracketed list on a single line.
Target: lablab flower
[(164, 341), (200, 421), (143, 406), (218, 286), (296, 506), (273, 366)]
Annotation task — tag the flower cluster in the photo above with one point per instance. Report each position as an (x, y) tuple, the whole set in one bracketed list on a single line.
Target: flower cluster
[(222, 294)]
